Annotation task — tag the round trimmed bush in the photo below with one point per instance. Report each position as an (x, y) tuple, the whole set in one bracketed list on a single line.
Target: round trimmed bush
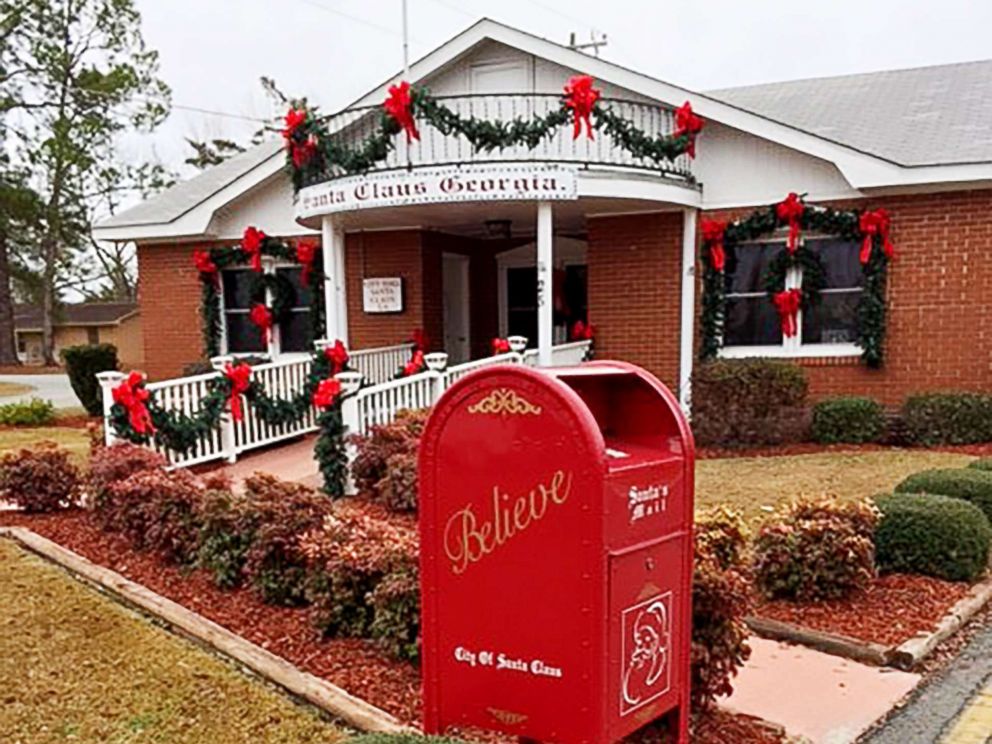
[(849, 420), (932, 535), (984, 463), (969, 484)]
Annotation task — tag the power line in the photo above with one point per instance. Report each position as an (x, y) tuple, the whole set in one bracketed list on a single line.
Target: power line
[(350, 17)]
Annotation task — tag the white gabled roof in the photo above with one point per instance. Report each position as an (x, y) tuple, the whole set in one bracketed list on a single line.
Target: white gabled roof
[(772, 113)]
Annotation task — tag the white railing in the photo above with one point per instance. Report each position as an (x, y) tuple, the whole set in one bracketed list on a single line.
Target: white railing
[(380, 364), (562, 355), (282, 380), (183, 395)]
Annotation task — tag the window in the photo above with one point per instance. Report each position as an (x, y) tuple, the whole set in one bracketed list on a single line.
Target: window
[(752, 326), (293, 334), (92, 335)]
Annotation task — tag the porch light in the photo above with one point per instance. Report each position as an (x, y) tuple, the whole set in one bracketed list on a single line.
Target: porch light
[(436, 361), (517, 343), (350, 382), (499, 228)]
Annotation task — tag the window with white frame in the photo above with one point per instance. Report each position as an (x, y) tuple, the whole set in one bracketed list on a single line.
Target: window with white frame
[(752, 326), (291, 334)]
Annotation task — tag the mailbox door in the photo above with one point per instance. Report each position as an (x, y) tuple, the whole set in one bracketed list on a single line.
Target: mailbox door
[(513, 565), (647, 607), (646, 501)]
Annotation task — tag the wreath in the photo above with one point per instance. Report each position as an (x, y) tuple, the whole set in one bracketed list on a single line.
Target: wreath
[(137, 417), (870, 227), (314, 155), (264, 313)]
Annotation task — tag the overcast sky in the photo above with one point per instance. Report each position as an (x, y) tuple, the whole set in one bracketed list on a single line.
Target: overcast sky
[(332, 51)]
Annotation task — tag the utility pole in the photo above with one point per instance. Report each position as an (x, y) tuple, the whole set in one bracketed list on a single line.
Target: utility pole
[(593, 43)]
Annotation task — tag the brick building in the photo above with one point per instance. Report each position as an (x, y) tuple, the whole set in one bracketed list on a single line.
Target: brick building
[(528, 241)]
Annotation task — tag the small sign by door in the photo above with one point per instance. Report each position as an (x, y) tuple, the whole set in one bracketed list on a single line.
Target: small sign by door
[(382, 295)]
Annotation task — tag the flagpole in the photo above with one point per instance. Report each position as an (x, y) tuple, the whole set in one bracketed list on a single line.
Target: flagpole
[(406, 45)]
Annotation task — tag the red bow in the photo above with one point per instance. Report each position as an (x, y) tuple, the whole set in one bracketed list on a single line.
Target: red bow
[(251, 245), (791, 211), (581, 331), (787, 303), (687, 124), (261, 316), (204, 262), (419, 339), (581, 97), (306, 251), (240, 377), (871, 224), (500, 346), (133, 395), (337, 355), (302, 152), (327, 393), (415, 365), (399, 106), (713, 231), (294, 120)]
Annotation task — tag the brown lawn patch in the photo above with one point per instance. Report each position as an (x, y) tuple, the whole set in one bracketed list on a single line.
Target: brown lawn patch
[(73, 439), (8, 389), (76, 666)]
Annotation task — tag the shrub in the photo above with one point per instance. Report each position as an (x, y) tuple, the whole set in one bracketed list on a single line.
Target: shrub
[(109, 465), (276, 515), (969, 484), (932, 535), (34, 412), (82, 363), (748, 402), (349, 556), (226, 531), (721, 599), (155, 509), (373, 451), (396, 613), (984, 463), (817, 550), (722, 535), (397, 490), (848, 420), (948, 418), (42, 479)]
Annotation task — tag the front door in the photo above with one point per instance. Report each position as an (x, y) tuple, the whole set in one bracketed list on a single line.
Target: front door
[(456, 308)]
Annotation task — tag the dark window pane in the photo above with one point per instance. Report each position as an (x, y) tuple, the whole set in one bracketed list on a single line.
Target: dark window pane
[(841, 261), (751, 321), (242, 334), (302, 293), (575, 294), (833, 321), (521, 288), (295, 333), (523, 323), (747, 265), (237, 289)]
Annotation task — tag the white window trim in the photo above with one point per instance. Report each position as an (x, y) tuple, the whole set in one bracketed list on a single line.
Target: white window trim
[(273, 349), (793, 348)]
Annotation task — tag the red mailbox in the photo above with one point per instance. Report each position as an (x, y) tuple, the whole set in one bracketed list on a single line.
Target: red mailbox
[(556, 531)]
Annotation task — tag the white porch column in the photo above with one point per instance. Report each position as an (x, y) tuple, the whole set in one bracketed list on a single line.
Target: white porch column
[(335, 311), (545, 278), (688, 312)]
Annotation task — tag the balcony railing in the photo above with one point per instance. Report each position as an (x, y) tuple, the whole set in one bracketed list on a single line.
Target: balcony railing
[(352, 127)]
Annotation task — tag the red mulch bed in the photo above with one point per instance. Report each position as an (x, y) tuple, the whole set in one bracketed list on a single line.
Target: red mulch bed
[(353, 664), (812, 448), (893, 609)]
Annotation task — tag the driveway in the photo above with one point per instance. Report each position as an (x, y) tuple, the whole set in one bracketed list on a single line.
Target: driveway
[(55, 388)]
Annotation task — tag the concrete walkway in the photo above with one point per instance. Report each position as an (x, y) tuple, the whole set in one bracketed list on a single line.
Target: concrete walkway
[(826, 699), (55, 388)]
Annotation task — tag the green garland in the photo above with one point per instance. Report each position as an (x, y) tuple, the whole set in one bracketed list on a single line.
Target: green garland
[(283, 295), (181, 432), (313, 155), (843, 223)]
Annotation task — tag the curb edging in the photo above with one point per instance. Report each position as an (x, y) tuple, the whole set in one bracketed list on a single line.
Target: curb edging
[(318, 692)]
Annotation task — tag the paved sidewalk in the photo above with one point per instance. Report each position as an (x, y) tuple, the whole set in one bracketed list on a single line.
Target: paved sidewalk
[(824, 698), (953, 708)]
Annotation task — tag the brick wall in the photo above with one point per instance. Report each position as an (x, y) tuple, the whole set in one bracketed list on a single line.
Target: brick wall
[(635, 292), (169, 295), (939, 299)]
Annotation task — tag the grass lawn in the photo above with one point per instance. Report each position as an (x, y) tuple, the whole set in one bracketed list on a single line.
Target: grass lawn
[(76, 666), (73, 439), (755, 485), (8, 389)]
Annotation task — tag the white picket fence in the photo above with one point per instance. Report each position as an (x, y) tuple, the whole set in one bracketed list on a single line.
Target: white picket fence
[(376, 403)]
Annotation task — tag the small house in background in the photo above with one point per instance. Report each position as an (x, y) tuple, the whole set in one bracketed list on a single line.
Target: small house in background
[(117, 323)]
